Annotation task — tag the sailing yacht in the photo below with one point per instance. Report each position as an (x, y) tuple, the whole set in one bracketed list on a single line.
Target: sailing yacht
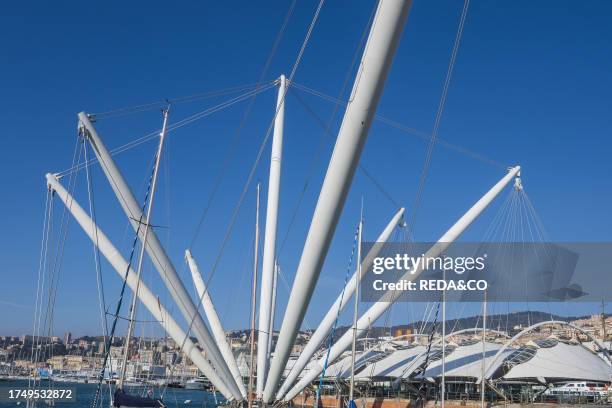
[(121, 399)]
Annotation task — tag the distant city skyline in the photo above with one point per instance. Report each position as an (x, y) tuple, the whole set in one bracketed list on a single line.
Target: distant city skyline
[(494, 319), (531, 86)]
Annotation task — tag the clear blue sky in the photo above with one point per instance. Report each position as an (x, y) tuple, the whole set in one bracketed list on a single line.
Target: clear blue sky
[(531, 86)]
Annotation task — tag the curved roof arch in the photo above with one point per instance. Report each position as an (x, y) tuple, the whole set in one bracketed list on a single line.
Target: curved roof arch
[(496, 361)]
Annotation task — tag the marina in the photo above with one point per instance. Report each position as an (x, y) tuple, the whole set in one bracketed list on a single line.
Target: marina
[(505, 315)]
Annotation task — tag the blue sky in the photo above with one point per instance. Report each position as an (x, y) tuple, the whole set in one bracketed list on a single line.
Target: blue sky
[(531, 86)]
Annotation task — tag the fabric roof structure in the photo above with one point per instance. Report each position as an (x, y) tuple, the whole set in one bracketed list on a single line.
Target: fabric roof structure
[(394, 365), (465, 361), (342, 368), (561, 361), (548, 360)]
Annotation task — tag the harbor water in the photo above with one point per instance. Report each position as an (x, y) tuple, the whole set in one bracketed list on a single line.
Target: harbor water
[(84, 393)]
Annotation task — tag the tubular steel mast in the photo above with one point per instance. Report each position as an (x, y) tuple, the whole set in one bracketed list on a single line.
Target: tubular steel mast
[(147, 222), (269, 250), (214, 321), (158, 255), (254, 302), (148, 299), (378, 308), (355, 315), (341, 303), (387, 26)]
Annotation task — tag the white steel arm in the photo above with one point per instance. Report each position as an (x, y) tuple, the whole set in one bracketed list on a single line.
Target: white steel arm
[(269, 250), (214, 321), (378, 308), (339, 305), (156, 252), (148, 299), (387, 26)]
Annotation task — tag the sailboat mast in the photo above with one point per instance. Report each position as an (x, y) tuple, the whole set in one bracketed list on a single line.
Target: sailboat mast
[(443, 380), (159, 258), (162, 137), (325, 326), (378, 308), (483, 382), (147, 298), (604, 335), (356, 311), (254, 299)]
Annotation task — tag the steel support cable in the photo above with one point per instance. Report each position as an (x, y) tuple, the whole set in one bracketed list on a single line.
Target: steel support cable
[(420, 395), (229, 156), (132, 216), (426, 313), (492, 231), (58, 258), (407, 129), (330, 122), (42, 264), (511, 236), (121, 294), (538, 224), (519, 236), (96, 250), (531, 216), (53, 265), (495, 224), (192, 118), (327, 133), (330, 341), (44, 326), (42, 258), (252, 171), (388, 313), (40, 290), (174, 101), (504, 218), (288, 289), (361, 167), (207, 112), (442, 142), (438, 119), (432, 141)]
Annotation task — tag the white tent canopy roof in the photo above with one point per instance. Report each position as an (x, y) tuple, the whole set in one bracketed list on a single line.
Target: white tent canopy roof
[(394, 365), (562, 361), (546, 358), (465, 361)]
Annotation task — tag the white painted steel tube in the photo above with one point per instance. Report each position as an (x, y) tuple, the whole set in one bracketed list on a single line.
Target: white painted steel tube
[(375, 64), (158, 255), (378, 308), (214, 321), (148, 299), (341, 302), (269, 250)]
